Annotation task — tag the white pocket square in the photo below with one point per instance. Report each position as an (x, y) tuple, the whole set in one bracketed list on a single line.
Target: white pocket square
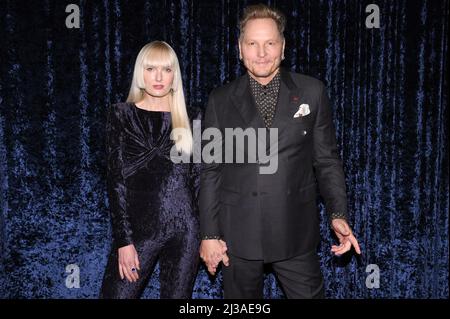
[(303, 110)]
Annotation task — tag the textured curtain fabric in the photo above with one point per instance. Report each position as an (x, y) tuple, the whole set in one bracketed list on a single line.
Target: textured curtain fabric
[(388, 90)]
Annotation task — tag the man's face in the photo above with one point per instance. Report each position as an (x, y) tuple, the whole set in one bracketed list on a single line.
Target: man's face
[(261, 48)]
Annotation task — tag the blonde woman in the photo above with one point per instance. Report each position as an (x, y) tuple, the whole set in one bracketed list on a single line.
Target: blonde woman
[(152, 199)]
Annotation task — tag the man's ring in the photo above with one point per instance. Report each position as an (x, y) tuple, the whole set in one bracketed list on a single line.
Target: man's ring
[(133, 269)]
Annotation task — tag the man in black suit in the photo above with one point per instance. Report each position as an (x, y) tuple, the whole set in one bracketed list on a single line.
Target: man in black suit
[(248, 218)]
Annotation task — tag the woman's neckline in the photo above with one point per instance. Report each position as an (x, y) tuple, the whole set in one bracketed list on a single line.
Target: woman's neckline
[(152, 111)]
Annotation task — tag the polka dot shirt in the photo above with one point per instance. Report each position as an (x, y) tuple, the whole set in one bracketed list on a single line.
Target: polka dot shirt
[(266, 97)]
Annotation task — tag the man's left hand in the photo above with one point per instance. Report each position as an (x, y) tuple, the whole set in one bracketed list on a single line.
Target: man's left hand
[(346, 238)]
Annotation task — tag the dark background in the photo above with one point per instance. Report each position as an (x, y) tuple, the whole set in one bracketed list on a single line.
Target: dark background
[(388, 91)]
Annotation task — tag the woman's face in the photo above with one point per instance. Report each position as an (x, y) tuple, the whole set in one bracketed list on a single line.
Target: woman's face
[(158, 80)]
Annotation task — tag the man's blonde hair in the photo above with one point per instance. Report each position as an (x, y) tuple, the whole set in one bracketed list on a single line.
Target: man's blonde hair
[(262, 11)]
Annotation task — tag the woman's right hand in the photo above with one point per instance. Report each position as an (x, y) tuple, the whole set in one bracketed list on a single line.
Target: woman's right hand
[(128, 260)]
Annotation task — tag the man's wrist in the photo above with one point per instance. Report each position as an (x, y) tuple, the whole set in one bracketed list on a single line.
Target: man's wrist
[(338, 215), (208, 237)]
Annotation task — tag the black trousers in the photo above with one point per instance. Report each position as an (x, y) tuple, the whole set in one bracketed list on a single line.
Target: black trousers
[(300, 277)]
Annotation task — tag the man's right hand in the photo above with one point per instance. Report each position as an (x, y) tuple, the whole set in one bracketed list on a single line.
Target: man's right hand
[(213, 251)]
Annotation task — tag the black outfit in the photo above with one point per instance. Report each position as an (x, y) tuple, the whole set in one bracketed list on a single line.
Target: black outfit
[(273, 218), (152, 203)]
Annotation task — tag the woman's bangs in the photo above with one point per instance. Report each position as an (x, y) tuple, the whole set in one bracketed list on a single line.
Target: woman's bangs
[(159, 56)]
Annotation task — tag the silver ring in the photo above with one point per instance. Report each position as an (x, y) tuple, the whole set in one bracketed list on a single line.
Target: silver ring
[(133, 269)]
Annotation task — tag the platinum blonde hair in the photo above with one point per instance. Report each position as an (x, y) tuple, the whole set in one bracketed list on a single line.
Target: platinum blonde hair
[(159, 53)]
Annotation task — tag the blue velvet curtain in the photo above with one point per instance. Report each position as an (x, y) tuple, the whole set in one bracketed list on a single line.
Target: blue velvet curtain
[(388, 91)]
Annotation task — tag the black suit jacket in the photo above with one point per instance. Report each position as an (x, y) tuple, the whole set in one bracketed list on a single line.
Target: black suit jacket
[(273, 216)]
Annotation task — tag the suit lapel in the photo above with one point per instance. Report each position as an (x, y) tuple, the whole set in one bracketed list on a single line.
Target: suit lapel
[(289, 98), (243, 101)]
